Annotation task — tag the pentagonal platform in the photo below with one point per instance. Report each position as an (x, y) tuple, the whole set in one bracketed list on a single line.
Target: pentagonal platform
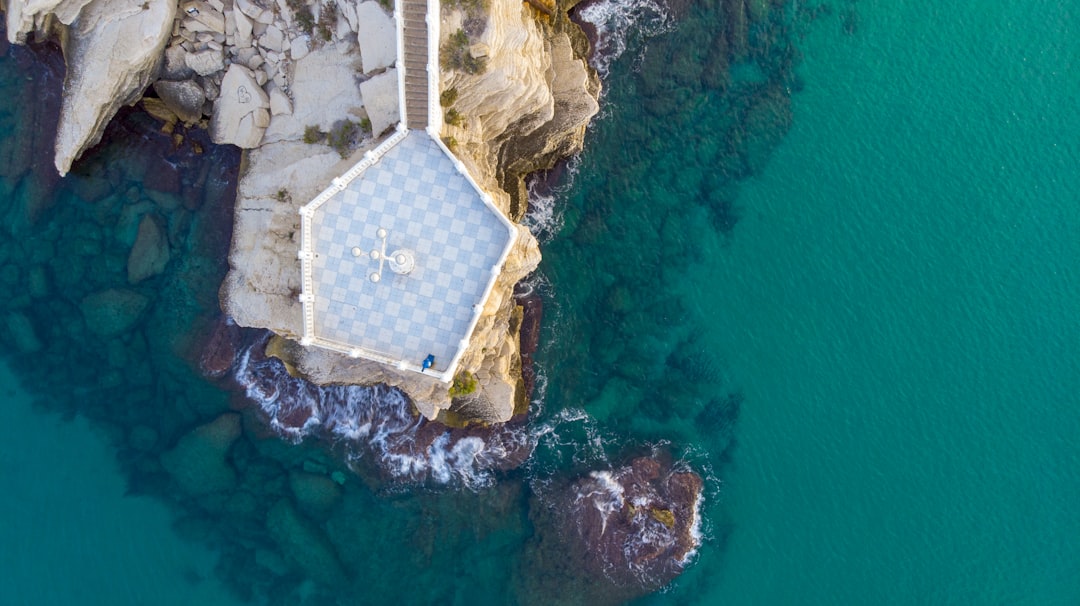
[(417, 200)]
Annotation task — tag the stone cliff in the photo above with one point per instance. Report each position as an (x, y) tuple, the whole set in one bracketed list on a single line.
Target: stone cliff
[(307, 87)]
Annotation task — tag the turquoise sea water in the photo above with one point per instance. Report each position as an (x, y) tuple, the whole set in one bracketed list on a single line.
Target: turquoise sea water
[(834, 268), (898, 304), (72, 536)]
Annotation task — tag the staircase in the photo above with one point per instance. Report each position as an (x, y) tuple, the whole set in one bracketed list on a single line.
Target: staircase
[(415, 42)]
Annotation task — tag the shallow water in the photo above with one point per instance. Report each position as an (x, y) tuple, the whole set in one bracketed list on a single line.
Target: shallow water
[(72, 534), (845, 293)]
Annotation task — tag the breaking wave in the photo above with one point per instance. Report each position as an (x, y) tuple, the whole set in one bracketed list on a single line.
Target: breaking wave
[(617, 22), (546, 201), (380, 425)]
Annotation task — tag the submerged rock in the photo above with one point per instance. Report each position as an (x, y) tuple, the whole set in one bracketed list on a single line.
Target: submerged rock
[(21, 331), (199, 460), (220, 350), (305, 545), (114, 311), (621, 533), (316, 494), (150, 253)]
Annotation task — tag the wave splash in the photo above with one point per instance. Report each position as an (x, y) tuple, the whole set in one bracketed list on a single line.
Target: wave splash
[(379, 424), (547, 198), (617, 22)]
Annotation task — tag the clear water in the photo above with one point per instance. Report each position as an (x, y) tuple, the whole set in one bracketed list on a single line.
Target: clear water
[(835, 271)]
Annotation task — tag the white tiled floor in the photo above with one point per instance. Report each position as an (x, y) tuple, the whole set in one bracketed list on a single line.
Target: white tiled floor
[(417, 195)]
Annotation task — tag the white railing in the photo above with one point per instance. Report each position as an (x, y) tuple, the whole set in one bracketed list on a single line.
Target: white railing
[(399, 24), (433, 19), (496, 269), (307, 212), (434, 128)]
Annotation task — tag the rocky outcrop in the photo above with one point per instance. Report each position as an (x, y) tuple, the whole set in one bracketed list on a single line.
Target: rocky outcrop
[(305, 545), (272, 75), (380, 95), (26, 16), (530, 104), (534, 87), (614, 535), (112, 51)]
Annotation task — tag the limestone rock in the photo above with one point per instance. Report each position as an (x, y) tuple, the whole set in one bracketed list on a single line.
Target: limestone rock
[(381, 100), (234, 111), (112, 51), (206, 62), (348, 12), (377, 36), (114, 311), (185, 98), (272, 40), (243, 29), (279, 102), (324, 91), (300, 47), (25, 16), (150, 253), (258, 289), (205, 14), (257, 13), (175, 67), (199, 462)]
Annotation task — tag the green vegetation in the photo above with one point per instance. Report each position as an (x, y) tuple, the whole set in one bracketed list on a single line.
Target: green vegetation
[(313, 135), (328, 21), (365, 125), (283, 195), (464, 384), (472, 8), (453, 117), (450, 143), (448, 97), (302, 14), (455, 55), (343, 136)]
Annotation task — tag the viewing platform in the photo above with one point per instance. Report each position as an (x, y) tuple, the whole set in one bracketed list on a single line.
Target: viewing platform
[(399, 254)]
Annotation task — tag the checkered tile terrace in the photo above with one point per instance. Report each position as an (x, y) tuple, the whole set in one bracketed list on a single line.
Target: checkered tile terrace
[(416, 191)]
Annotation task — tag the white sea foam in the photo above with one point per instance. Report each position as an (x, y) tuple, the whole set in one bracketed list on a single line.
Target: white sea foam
[(617, 20), (545, 215), (606, 496), (695, 529), (375, 421)]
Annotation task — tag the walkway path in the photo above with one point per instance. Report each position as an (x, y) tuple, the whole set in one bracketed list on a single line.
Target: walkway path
[(415, 45)]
